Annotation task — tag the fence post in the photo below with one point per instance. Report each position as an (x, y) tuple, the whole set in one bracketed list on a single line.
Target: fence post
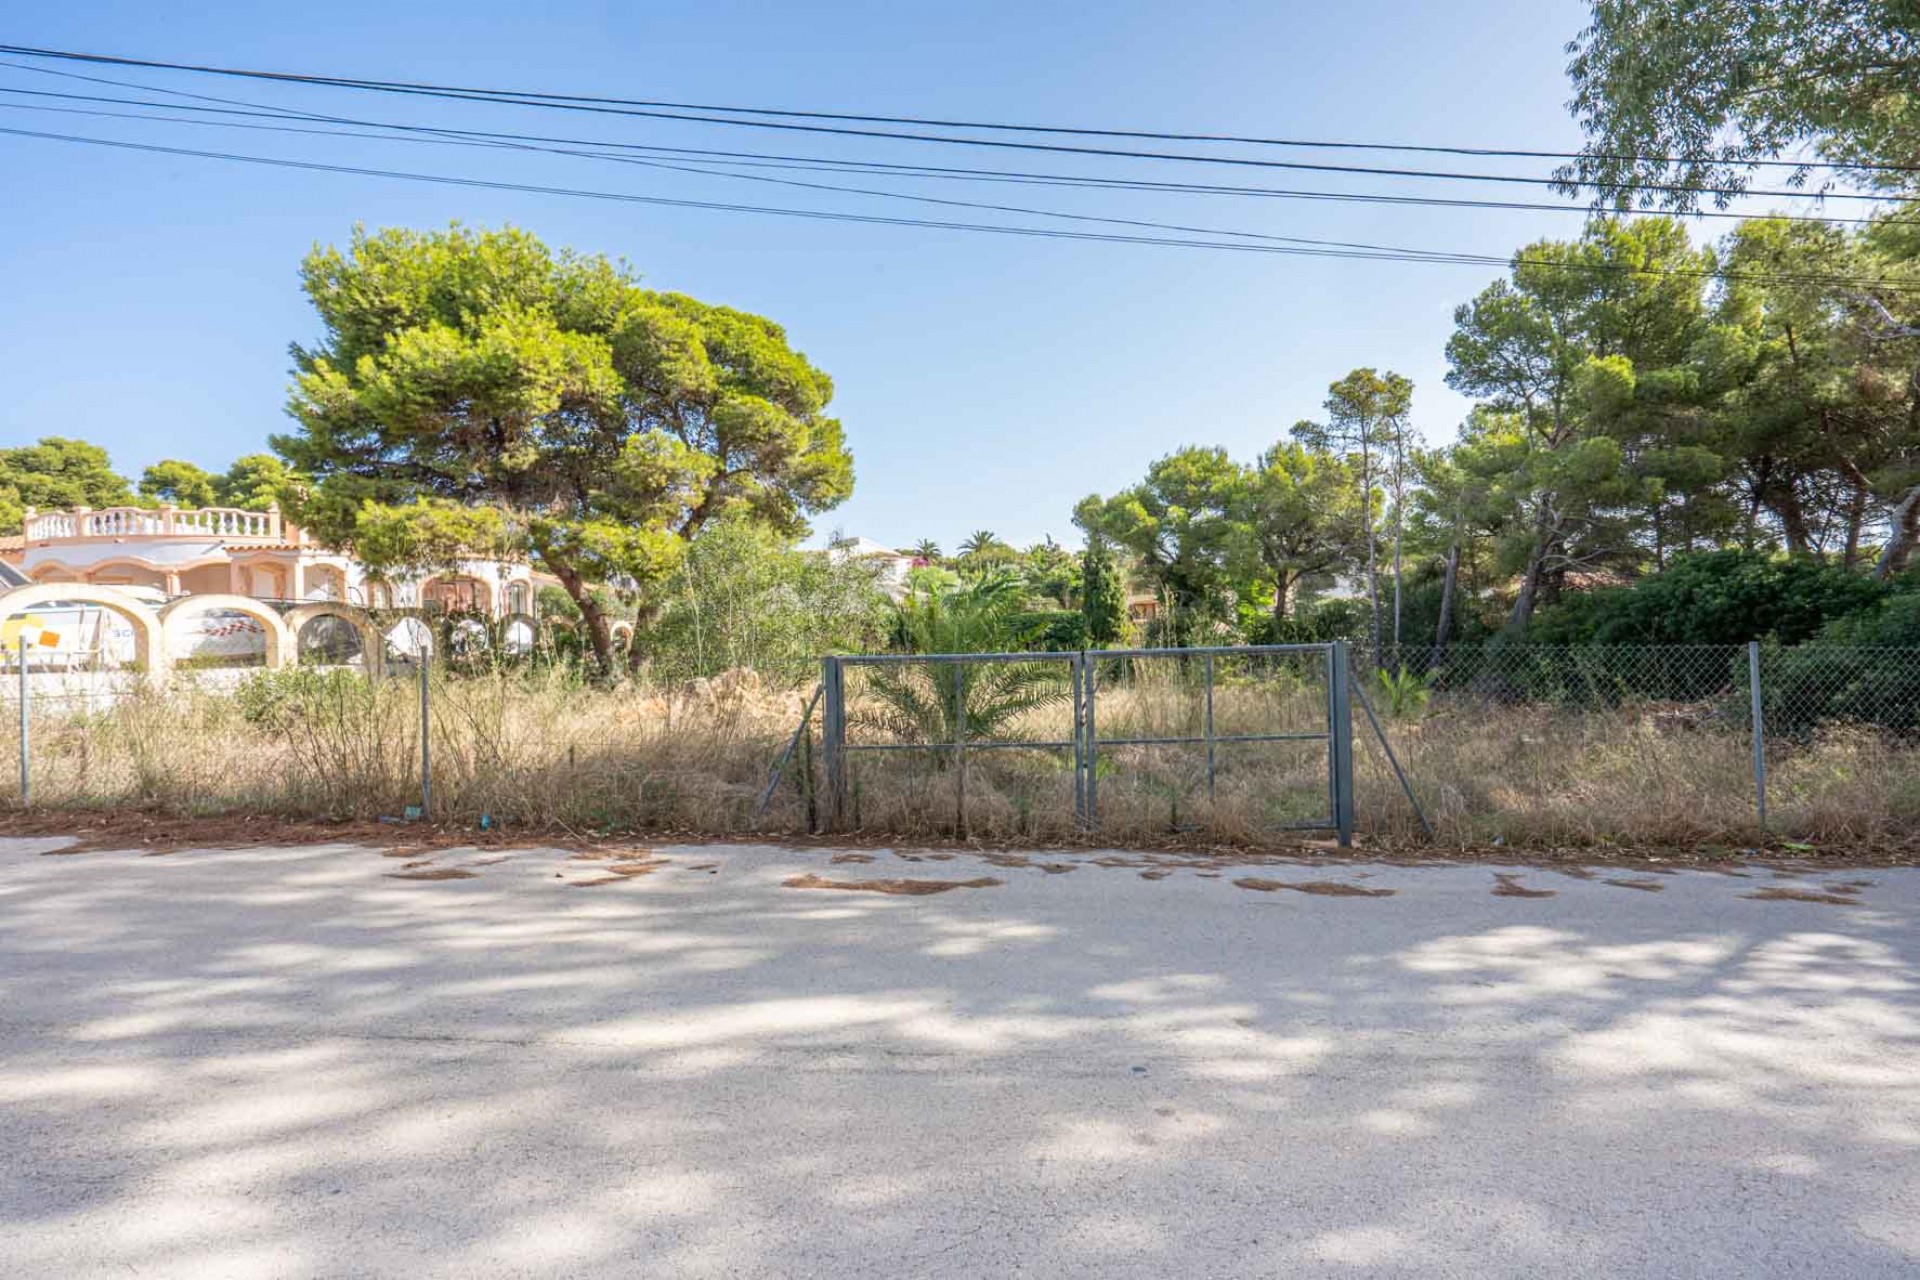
[(1074, 663), (833, 729), (960, 748), (1088, 673), (426, 739), (26, 729), (1759, 736), (1340, 702), (1209, 670)]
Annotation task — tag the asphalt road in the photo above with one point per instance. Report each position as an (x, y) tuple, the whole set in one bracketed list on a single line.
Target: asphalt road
[(284, 1062)]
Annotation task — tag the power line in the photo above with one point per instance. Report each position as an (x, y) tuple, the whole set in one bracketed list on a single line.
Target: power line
[(751, 159), (560, 102), (535, 96), (720, 173), (1381, 253), (675, 202)]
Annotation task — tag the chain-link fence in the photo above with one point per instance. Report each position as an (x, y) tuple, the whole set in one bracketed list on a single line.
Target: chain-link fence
[(1524, 744), (1238, 742), (1650, 744)]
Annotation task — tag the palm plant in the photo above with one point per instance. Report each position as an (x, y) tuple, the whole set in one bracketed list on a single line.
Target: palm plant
[(925, 549), (978, 541), (937, 701), (983, 551), (1403, 693)]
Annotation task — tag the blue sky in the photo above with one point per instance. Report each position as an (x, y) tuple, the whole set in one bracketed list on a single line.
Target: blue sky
[(147, 302)]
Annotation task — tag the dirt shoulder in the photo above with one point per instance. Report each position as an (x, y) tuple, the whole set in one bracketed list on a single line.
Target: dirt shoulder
[(159, 832)]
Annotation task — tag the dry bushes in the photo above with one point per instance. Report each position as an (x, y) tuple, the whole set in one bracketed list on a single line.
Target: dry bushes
[(545, 751)]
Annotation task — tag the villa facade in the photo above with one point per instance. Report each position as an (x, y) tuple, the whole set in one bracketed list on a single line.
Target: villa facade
[(174, 551), (168, 584)]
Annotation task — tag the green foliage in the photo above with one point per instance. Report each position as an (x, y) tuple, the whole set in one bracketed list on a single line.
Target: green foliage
[(931, 702), (1055, 630), (1178, 526), (280, 701), (598, 425), (1103, 596), (554, 602), (982, 615), (1678, 101), (1863, 669), (1402, 694), (253, 483), (1721, 597), (931, 580), (1322, 622), (1051, 573), (181, 483), (258, 481), (1302, 514), (745, 597), (1470, 624), (56, 473), (983, 552), (1893, 623), (1568, 452)]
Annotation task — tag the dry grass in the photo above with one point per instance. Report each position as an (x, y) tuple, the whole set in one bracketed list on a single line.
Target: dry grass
[(547, 753)]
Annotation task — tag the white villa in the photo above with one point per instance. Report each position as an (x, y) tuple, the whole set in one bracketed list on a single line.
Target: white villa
[(893, 565), (225, 551), (163, 584), (93, 589)]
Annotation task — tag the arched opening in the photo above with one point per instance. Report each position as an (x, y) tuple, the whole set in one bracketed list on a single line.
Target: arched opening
[(207, 579), (337, 635), (519, 633), (222, 630), (126, 573), (468, 638), (326, 582), (406, 640), (69, 603), (263, 579), (457, 593), (519, 597), (53, 571)]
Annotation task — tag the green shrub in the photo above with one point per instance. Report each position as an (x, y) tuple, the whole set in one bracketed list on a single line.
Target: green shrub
[(1864, 669), (1321, 622), (1717, 597), (1402, 694)]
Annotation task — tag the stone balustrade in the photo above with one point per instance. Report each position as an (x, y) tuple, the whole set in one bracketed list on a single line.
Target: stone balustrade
[(226, 523)]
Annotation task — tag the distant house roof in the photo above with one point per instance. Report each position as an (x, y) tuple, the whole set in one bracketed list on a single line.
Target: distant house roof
[(868, 547)]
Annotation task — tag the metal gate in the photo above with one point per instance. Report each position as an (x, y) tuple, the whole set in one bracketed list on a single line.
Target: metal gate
[(948, 706)]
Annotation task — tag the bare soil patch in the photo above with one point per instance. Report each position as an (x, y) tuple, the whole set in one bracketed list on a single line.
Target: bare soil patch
[(1021, 860), (1783, 894), (155, 830), (618, 871), (1646, 884), (907, 888), (1321, 888), (1507, 885)]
